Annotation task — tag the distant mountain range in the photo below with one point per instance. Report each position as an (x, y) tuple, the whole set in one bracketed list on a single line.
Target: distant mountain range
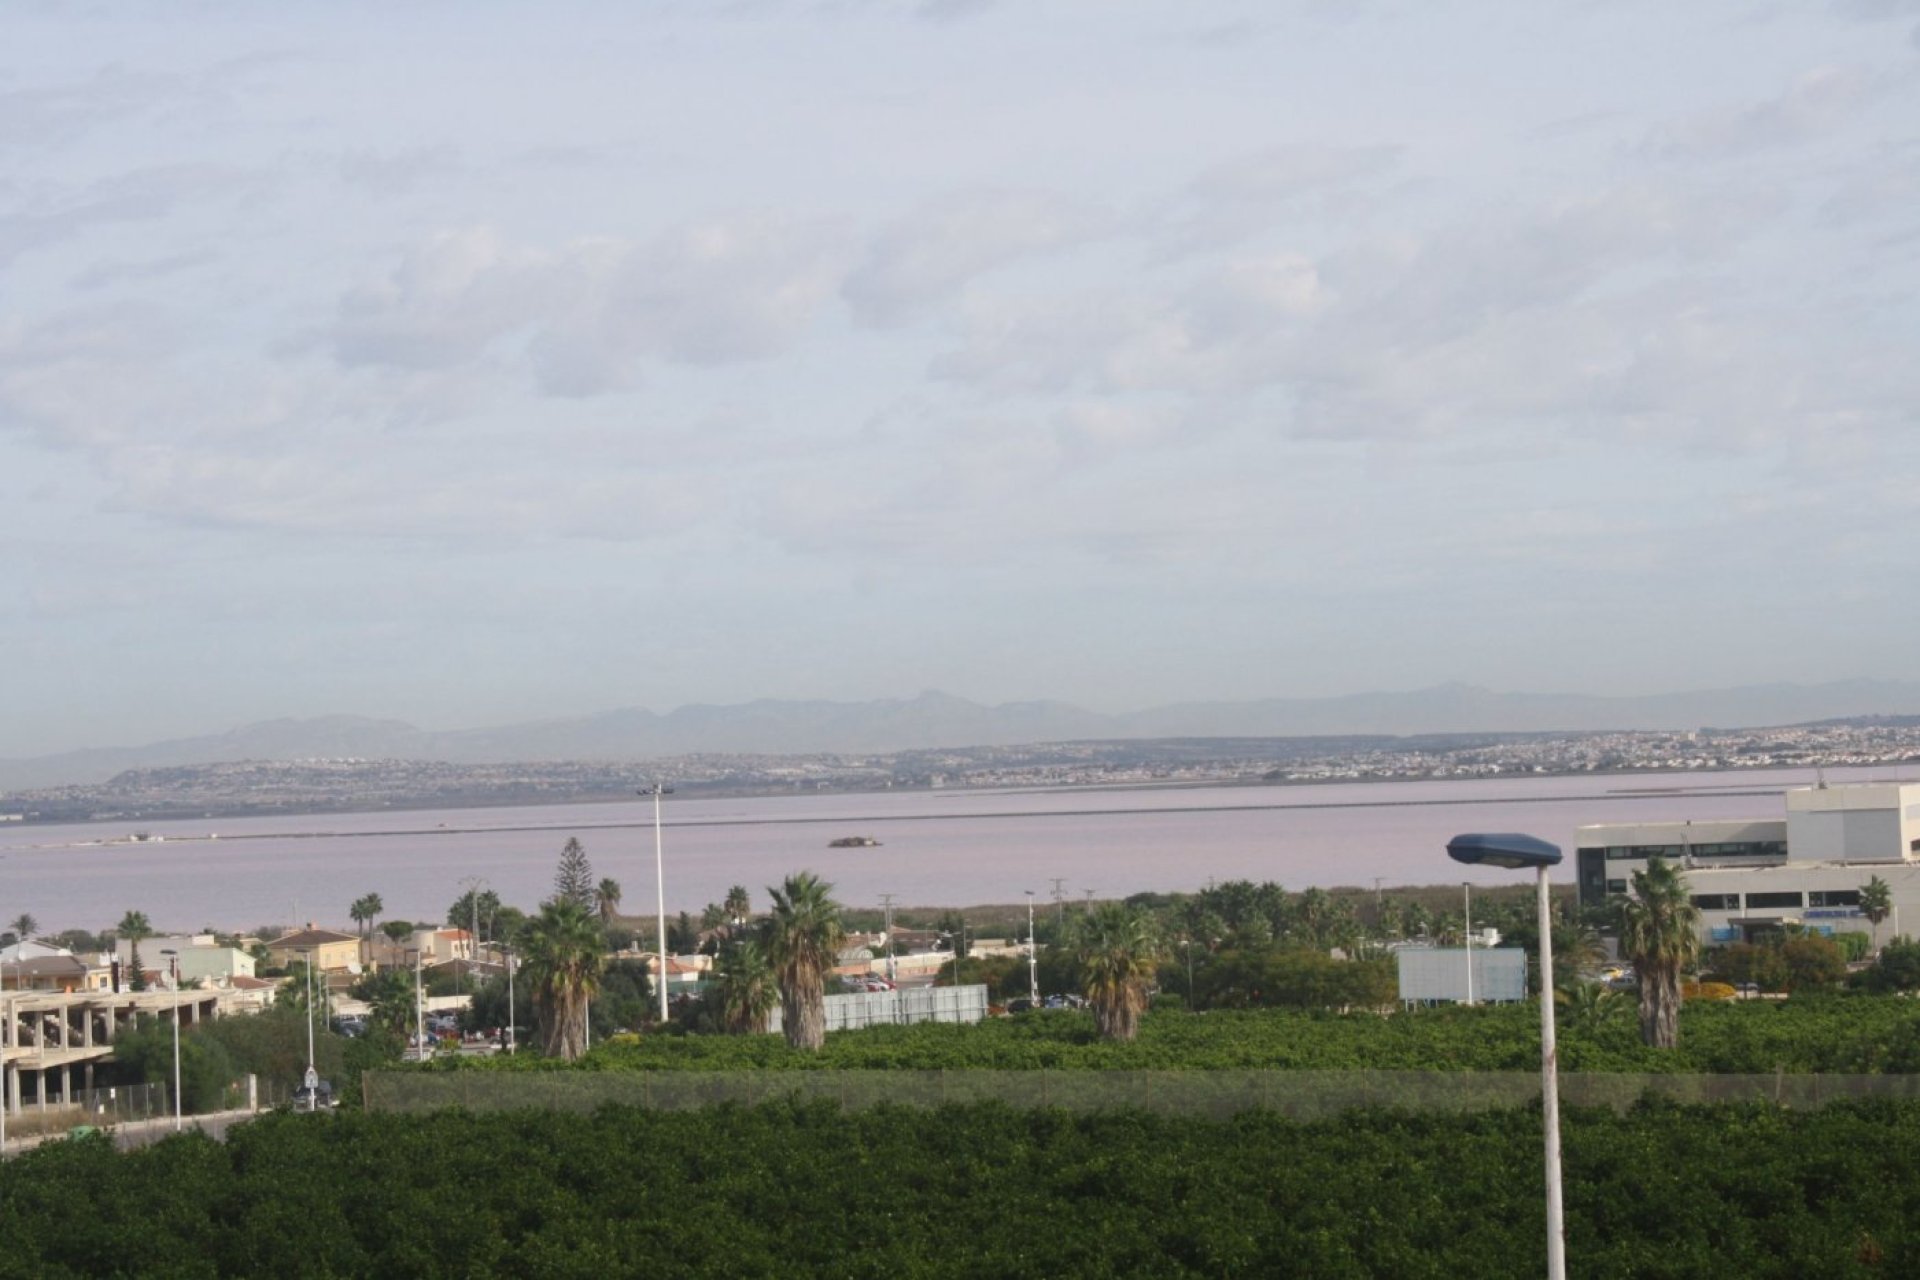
[(932, 720)]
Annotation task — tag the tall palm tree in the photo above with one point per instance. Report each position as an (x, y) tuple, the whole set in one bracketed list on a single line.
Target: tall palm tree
[(747, 989), (24, 926), (737, 905), (1876, 904), (133, 927), (364, 911), (804, 934), (1117, 951), (563, 954), (607, 895), (1660, 936)]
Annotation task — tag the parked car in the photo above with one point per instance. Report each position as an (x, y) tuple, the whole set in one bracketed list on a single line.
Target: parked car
[(319, 1098)]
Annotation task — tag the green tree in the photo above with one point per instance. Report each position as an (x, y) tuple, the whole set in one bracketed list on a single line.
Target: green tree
[(1876, 904), (1117, 951), (562, 950), (25, 926), (606, 896), (205, 1067), (803, 938), (573, 878), (364, 911), (738, 905), (134, 927), (1660, 937), (1813, 963), (390, 993), (397, 931), (471, 907)]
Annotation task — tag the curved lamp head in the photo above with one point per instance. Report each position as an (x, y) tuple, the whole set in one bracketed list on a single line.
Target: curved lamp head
[(1503, 850)]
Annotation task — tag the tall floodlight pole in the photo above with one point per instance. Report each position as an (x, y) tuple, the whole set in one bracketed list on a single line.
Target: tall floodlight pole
[(310, 1010), (1516, 852), (508, 952), (173, 968), (419, 1008), (1033, 956), (1466, 935), (660, 888)]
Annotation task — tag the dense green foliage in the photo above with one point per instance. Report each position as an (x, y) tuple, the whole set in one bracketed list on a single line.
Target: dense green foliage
[(810, 1190), (1835, 1035)]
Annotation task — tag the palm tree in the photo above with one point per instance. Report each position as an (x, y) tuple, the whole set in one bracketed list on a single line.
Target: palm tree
[(24, 926), (134, 926), (1660, 936), (1117, 952), (563, 954), (364, 911), (1876, 904), (607, 895), (747, 990), (737, 905), (804, 934)]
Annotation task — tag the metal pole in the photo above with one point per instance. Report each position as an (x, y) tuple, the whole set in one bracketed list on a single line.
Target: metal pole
[(1467, 934), (173, 964), (1033, 956), (1550, 1092), (419, 1010), (660, 891), (309, 1008), (508, 952)]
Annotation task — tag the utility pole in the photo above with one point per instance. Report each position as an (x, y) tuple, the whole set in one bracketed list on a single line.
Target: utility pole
[(660, 887), (1033, 956), (1059, 902)]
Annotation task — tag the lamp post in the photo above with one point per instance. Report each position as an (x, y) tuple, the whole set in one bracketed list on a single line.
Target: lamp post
[(419, 1008), (310, 953), (1466, 934), (1033, 957), (1516, 852), (173, 969), (660, 888), (508, 952)]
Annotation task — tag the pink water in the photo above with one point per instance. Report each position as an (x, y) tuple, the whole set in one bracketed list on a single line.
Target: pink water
[(942, 847)]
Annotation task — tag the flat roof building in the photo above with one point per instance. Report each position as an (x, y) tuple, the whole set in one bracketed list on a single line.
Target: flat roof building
[(1750, 876)]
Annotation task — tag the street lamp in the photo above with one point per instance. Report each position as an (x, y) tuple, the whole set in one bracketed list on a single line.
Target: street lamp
[(1517, 852), (1033, 959), (173, 968), (660, 888), (1466, 934), (507, 950)]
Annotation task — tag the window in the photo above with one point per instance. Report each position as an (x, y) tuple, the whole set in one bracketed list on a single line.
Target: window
[(1616, 886), (1834, 898), (1756, 901), (1717, 901)]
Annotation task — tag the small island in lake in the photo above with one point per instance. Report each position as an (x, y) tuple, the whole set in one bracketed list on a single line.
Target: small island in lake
[(854, 842)]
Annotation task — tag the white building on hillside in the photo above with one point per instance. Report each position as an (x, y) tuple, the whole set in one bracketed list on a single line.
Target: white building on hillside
[(1750, 876)]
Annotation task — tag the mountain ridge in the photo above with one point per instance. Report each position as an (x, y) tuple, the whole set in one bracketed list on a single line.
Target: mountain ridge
[(933, 719)]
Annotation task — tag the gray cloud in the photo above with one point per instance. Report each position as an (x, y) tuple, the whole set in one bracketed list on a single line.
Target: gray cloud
[(924, 257), (590, 315), (1814, 106)]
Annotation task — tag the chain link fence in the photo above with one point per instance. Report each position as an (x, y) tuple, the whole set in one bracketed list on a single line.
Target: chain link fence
[(1298, 1094)]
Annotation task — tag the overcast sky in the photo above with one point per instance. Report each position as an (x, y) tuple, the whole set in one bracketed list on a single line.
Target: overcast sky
[(475, 362)]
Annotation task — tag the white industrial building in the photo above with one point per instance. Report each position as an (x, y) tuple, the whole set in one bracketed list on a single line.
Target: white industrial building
[(1753, 876)]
